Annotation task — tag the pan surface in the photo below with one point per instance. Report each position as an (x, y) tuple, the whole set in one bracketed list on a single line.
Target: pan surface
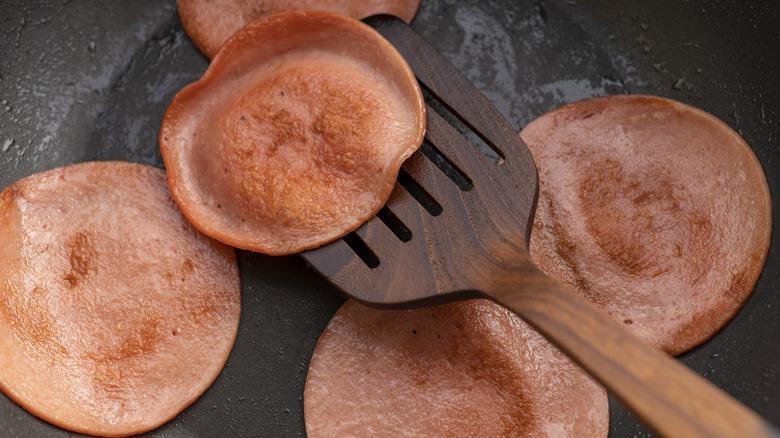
[(90, 80)]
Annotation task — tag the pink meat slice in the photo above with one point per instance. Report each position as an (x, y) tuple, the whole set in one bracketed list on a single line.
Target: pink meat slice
[(295, 134), (116, 313), (209, 23), (656, 211), (457, 370)]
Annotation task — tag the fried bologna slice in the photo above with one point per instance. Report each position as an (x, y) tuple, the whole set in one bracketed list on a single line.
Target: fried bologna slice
[(295, 134), (209, 23), (116, 313), (467, 369), (656, 211)]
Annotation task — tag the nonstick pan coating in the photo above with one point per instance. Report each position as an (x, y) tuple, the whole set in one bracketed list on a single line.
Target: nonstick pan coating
[(90, 80)]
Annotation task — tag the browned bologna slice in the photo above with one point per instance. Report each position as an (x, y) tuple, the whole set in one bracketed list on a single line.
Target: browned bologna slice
[(295, 134), (209, 23), (116, 313), (467, 369), (656, 211)]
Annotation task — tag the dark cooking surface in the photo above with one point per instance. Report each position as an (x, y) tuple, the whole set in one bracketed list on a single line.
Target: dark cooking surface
[(90, 80)]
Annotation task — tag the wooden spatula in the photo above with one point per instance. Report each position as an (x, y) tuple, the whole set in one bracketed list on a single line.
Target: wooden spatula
[(457, 226)]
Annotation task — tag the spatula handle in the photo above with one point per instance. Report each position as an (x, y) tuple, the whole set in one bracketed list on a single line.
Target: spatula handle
[(665, 394)]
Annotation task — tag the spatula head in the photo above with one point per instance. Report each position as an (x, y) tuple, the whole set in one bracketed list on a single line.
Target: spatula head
[(458, 220)]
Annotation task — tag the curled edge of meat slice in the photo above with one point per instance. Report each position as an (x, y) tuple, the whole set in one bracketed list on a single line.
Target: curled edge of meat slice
[(656, 211), (469, 368), (295, 134), (210, 23), (116, 314)]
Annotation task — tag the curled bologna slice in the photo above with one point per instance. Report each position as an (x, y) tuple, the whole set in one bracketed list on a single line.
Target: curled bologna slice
[(467, 369), (295, 134), (210, 23), (656, 211), (116, 313)]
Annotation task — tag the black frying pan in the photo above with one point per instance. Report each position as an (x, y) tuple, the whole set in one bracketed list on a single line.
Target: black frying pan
[(90, 80)]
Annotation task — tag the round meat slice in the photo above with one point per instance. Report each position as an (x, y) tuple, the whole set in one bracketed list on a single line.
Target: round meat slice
[(211, 22), (116, 313), (656, 211), (466, 369), (295, 134)]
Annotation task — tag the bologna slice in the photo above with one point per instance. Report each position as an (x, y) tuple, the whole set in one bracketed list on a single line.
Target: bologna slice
[(116, 313), (295, 134), (209, 23), (656, 211), (467, 369)]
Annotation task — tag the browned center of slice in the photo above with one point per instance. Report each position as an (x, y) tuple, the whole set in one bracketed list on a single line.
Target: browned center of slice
[(115, 313), (464, 369), (298, 149)]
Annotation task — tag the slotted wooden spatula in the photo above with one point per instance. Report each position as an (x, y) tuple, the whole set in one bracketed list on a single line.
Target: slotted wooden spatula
[(457, 226)]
